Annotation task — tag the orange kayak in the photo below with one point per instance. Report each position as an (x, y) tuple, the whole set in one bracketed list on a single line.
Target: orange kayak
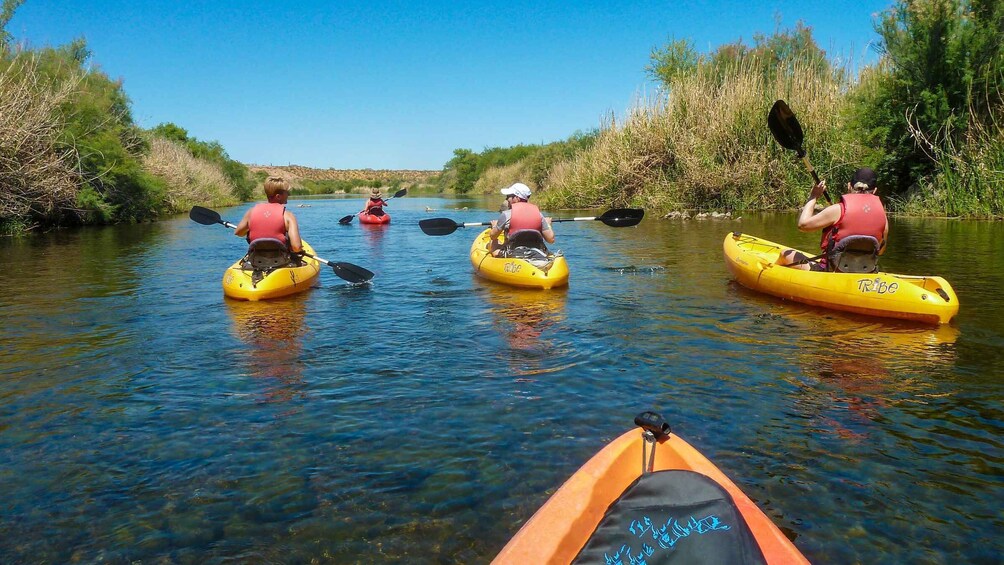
[(649, 497)]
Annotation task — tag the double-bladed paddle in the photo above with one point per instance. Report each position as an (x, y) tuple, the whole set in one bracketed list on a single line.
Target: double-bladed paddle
[(788, 132), (346, 271), (346, 220), (617, 218)]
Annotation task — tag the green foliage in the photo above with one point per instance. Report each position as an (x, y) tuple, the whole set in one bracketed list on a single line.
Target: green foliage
[(323, 186), (940, 81), (675, 59), (212, 151), (462, 173), (773, 56), (7, 9), (98, 126)]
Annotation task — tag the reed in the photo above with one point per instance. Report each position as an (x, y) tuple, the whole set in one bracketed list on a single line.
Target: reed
[(704, 144), (189, 180)]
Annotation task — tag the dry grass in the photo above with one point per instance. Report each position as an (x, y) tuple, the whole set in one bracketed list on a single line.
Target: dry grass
[(190, 181), (37, 176), (497, 178), (706, 145)]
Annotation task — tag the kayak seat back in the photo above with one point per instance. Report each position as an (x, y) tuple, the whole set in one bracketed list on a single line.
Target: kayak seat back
[(524, 242), (672, 516), (267, 254), (855, 254)]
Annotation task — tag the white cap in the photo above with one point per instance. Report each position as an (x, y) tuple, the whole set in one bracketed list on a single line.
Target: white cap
[(519, 189)]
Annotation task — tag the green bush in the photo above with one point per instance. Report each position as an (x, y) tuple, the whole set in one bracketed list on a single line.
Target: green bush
[(934, 102)]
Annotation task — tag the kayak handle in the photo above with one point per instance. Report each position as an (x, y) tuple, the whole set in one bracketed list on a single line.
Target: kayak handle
[(652, 422)]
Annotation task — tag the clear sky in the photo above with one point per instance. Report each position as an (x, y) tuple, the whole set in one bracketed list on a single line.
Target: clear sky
[(397, 84)]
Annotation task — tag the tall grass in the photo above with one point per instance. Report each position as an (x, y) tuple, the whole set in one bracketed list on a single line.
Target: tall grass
[(705, 144), (189, 180), (969, 180), (37, 175)]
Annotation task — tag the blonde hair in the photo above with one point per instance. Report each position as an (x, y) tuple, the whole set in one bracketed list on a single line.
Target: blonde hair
[(275, 185)]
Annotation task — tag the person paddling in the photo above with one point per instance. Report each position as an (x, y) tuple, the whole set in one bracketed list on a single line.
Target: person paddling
[(859, 214), (271, 220), (521, 216), (375, 203)]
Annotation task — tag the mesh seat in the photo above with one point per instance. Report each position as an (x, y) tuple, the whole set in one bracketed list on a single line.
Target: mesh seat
[(855, 254), (531, 239), (266, 254)]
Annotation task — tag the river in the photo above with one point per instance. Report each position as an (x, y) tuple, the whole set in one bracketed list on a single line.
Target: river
[(425, 416)]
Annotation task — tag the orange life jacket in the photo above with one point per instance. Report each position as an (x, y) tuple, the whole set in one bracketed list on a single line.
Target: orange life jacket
[(267, 220), (525, 216), (860, 214)]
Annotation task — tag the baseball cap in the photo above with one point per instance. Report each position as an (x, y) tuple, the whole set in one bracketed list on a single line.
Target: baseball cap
[(864, 176), (519, 189)]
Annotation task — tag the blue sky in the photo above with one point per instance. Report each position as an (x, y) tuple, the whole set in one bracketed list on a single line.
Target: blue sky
[(400, 85)]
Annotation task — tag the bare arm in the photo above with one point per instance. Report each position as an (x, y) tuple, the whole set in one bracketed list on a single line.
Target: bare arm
[(547, 231), (293, 232), (808, 220), (244, 225)]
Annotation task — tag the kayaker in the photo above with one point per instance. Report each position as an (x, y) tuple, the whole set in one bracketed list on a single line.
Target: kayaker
[(859, 212), (520, 216), (271, 219), (375, 203)]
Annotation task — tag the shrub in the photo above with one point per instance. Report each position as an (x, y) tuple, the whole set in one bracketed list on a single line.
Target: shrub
[(38, 177)]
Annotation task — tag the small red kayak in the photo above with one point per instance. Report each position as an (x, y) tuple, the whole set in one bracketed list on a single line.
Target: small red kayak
[(381, 218), (649, 497)]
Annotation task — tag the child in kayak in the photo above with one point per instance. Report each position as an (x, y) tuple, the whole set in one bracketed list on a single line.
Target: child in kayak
[(271, 220), (374, 206)]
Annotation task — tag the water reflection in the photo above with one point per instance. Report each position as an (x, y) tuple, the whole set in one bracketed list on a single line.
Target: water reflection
[(273, 331), (523, 316), (856, 369)]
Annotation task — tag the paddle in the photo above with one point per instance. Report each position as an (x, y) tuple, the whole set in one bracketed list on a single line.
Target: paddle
[(346, 220), (788, 132), (347, 271), (616, 218)]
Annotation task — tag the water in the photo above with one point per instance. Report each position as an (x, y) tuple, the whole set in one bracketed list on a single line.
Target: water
[(425, 417)]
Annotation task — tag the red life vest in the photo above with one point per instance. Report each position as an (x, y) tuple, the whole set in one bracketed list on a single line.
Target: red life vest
[(374, 204), (525, 216), (860, 214), (267, 220)]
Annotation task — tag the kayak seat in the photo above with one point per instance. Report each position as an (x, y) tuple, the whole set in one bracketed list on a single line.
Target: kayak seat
[(267, 254), (672, 516), (524, 242), (855, 254), (376, 211)]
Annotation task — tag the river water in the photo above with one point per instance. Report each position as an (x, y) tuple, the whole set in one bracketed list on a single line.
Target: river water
[(426, 416)]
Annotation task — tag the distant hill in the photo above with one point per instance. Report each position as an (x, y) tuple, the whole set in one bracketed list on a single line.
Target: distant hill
[(293, 173)]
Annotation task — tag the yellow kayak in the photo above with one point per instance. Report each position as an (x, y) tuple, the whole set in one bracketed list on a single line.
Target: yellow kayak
[(925, 299), (551, 273), (242, 283)]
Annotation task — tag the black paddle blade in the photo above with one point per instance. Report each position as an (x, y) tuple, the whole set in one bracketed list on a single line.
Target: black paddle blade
[(351, 273), (205, 216), (438, 226), (346, 219), (622, 217), (785, 127), (399, 193)]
